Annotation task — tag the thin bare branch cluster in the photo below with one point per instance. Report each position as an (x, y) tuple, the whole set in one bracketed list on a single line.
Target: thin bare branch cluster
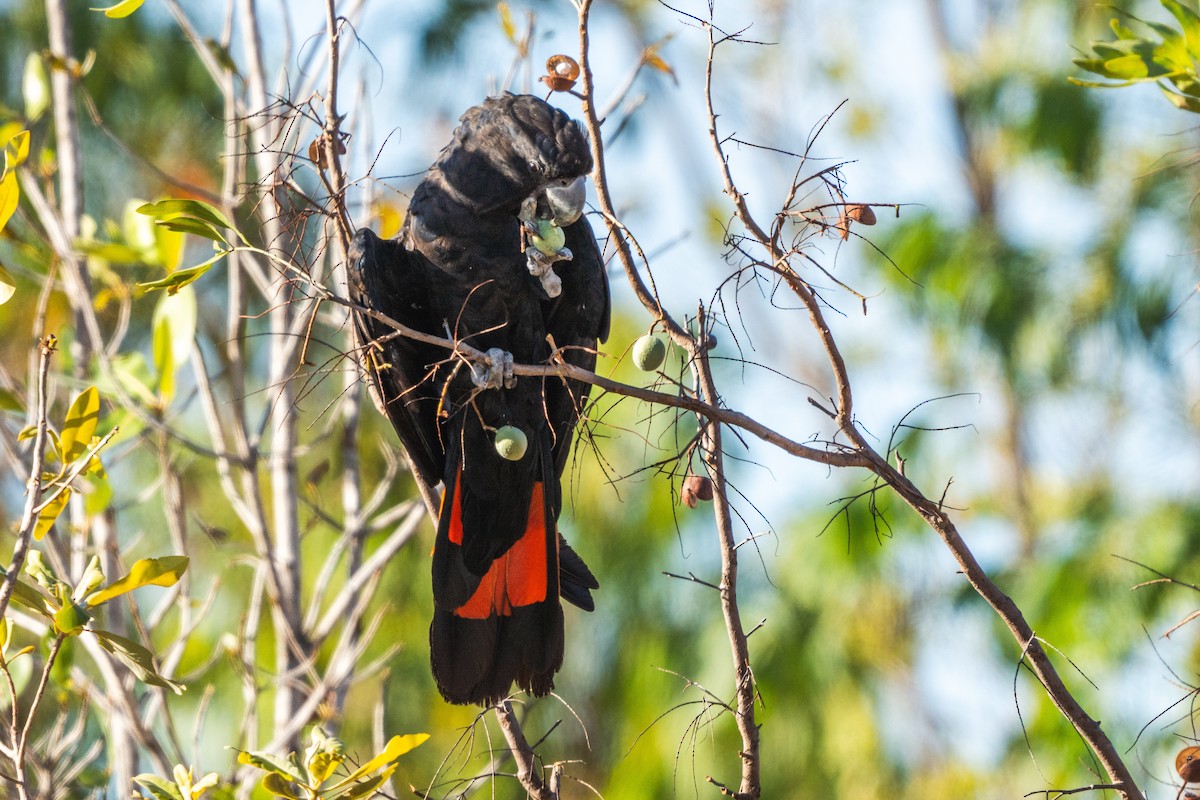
[(285, 179)]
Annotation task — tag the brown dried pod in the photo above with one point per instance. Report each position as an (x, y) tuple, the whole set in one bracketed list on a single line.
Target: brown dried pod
[(854, 212), (694, 489), (316, 151), (861, 212), (1187, 764), (561, 73)]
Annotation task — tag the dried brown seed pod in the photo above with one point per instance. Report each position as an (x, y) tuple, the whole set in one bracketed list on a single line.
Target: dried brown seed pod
[(1187, 764), (854, 212), (694, 489), (316, 151), (861, 212), (561, 73)]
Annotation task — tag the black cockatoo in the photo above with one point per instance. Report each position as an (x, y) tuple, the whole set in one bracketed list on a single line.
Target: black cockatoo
[(494, 252)]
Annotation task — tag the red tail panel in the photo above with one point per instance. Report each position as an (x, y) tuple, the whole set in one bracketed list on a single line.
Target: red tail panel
[(520, 576)]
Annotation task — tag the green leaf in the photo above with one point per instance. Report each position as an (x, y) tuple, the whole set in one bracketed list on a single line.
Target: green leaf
[(139, 660), (270, 763), (9, 194), (197, 227), (8, 287), (1182, 101), (133, 374), (1189, 23), (164, 571), (166, 210), (279, 786), (16, 151), (48, 515), (11, 401), (396, 747), (37, 568), (110, 251), (222, 55), (31, 598), (35, 85), (92, 577), (177, 280), (159, 788), (174, 334), (71, 619), (209, 781), (1132, 67), (122, 9)]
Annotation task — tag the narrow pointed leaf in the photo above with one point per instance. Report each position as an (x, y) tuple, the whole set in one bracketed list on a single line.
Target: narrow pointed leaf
[(204, 784), (16, 151), (269, 763), (279, 786), (48, 515), (139, 660), (396, 747), (194, 226), (506, 22), (9, 193), (164, 571), (122, 9), (177, 280), (31, 598), (159, 788), (171, 209), (80, 424), (113, 252), (363, 789)]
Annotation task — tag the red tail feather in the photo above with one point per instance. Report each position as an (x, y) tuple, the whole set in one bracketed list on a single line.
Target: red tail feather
[(518, 578)]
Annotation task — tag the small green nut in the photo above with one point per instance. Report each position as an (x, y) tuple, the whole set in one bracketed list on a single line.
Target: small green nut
[(511, 443), (649, 352), (549, 238)]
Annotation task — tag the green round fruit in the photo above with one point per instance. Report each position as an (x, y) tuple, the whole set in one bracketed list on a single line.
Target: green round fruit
[(649, 352), (550, 238), (511, 443)]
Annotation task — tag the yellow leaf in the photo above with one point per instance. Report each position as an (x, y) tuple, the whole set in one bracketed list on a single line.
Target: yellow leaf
[(653, 59), (506, 22), (50, 513), (163, 571), (122, 9), (8, 287), (80, 424), (398, 746), (16, 150), (8, 130), (9, 192)]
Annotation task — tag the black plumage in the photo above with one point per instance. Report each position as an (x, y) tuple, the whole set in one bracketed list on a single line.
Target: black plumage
[(458, 269)]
